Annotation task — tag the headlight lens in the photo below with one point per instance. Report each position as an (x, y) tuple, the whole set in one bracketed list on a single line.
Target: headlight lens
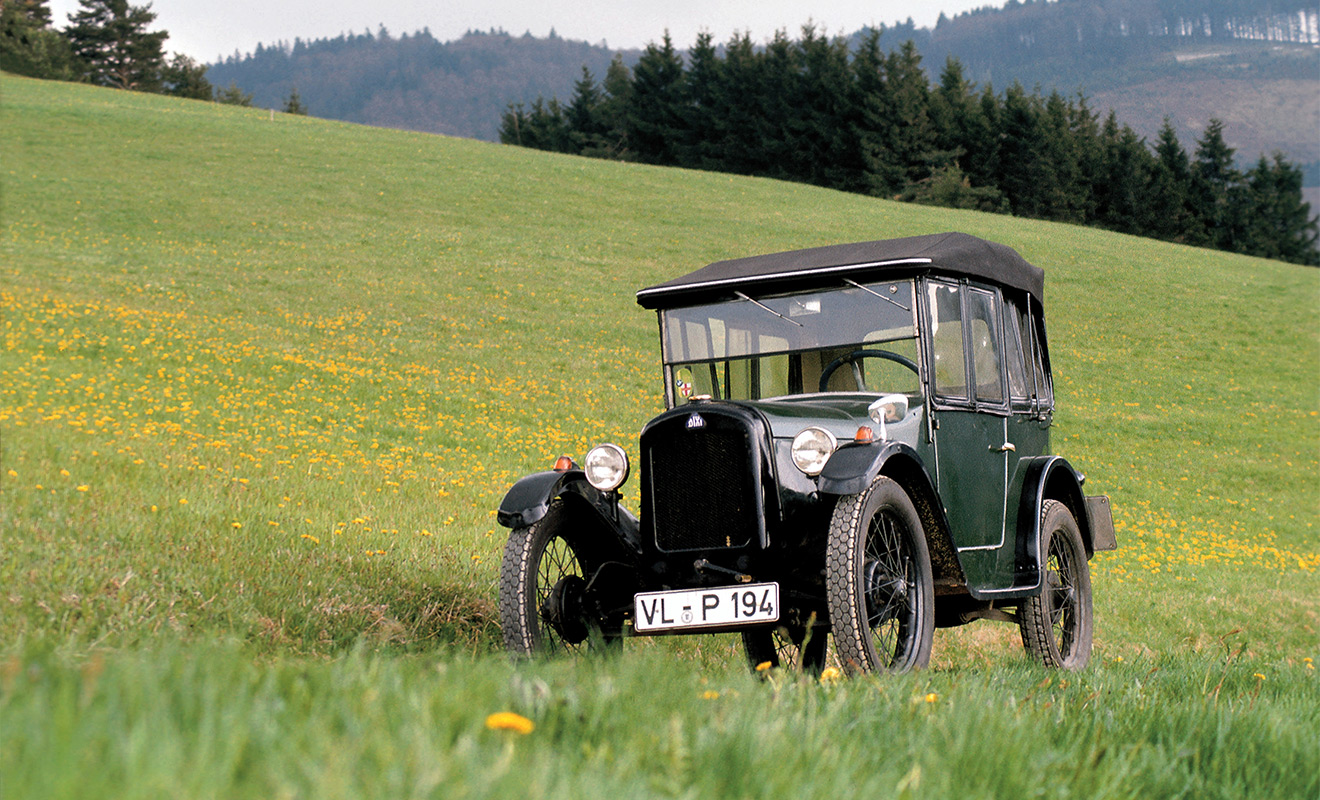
[(812, 448), (606, 466)]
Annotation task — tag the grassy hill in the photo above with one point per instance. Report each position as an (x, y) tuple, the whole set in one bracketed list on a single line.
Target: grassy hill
[(264, 378)]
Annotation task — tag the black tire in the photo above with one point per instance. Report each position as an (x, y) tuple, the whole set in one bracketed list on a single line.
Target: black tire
[(1057, 624), (789, 648), (542, 593), (879, 583)]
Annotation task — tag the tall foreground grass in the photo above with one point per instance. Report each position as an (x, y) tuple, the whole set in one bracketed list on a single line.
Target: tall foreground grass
[(263, 381)]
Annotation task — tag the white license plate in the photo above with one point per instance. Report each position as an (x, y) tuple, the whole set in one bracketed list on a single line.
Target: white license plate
[(727, 606)]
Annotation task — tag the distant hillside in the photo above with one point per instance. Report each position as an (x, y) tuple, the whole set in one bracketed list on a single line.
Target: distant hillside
[(1256, 65), (413, 81)]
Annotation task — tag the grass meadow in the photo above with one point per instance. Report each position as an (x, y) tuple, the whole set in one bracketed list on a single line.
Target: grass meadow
[(264, 379)]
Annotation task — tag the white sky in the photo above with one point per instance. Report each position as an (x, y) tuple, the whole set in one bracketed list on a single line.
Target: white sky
[(208, 30)]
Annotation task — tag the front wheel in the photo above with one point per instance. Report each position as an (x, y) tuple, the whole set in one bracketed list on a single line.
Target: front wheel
[(795, 648), (543, 601), (1057, 624), (879, 582)]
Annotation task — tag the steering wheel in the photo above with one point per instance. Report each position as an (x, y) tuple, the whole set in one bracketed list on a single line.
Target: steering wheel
[(856, 356)]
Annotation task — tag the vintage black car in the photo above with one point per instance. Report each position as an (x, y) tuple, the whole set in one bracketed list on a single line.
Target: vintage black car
[(855, 450)]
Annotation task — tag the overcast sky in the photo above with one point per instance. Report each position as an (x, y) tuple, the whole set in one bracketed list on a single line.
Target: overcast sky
[(208, 30)]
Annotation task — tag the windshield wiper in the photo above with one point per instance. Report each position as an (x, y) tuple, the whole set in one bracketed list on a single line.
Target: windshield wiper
[(768, 308), (851, 282)]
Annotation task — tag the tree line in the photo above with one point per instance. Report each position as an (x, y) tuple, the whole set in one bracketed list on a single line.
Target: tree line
[(413, 80), (817, 110), (107, 43)]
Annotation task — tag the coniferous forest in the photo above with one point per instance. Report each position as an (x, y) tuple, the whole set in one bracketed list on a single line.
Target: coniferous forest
[(841, 112), (852, 117)]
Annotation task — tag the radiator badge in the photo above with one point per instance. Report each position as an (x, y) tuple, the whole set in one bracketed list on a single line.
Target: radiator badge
[(696, 421)]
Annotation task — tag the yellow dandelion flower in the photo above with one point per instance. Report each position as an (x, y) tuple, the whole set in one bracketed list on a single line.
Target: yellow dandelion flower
[(183, 501), (763, 666), (311, 538), (710, 694), (1258, 675), (84, 488), (235, 525), (830, 675), (12, 474), (509, 721), (932, 697)]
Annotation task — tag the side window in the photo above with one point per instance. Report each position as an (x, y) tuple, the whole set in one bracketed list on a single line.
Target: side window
[(949, 366), (987, 365), (1044, 389), (1019, 385)]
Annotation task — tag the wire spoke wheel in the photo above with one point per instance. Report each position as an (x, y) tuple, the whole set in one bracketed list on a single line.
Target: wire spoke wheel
[(799, 647), (888, 578), (1057, 624), (544, 607), (879, 581)]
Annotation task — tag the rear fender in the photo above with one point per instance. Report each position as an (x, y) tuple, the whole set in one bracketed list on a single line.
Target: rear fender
[(1053, 478)]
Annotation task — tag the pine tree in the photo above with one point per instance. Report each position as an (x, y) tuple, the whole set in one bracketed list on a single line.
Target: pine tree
[(1213, 176), (586, 127), (183, 77), (1122, 199), (742, 126), (233, 96), (1269, 217), (872, 120), (28, 45), (655, 105), (777, 72), (1021, 170), (512, 124), (614, 109), (111, 40), (703, 104), (910, 136), (820, 129), (1064, 196), (1169, 187), (293, 103)]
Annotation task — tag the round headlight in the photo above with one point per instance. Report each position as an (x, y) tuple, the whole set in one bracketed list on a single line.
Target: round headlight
[(606, 466), (812, 448)]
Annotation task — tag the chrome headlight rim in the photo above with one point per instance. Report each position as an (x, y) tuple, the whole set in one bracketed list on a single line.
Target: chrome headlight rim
[(606, 467), (812, 448)]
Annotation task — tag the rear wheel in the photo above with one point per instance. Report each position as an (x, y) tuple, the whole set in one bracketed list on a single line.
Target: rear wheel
[(879, 581), (543, 602), (1057, 624)]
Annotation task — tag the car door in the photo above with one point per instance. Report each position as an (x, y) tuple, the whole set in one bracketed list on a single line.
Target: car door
[(973, 454)]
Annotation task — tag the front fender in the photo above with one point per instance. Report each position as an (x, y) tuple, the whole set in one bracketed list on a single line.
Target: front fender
[(528, 500), (853, 467)]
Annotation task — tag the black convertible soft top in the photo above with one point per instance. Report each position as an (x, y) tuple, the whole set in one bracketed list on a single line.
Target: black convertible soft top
[(957, 254)]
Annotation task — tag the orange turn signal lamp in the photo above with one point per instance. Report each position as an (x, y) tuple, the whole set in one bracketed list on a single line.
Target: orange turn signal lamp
[(864, 435), (564, 464)]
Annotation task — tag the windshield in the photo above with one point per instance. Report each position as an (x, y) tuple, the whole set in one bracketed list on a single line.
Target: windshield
[(758, 347)]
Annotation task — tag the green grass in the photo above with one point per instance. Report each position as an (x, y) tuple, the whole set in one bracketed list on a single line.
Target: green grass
[(263, 382)]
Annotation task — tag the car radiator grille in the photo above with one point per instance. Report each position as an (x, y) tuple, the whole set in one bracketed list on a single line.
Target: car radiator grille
[(704, 487)]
